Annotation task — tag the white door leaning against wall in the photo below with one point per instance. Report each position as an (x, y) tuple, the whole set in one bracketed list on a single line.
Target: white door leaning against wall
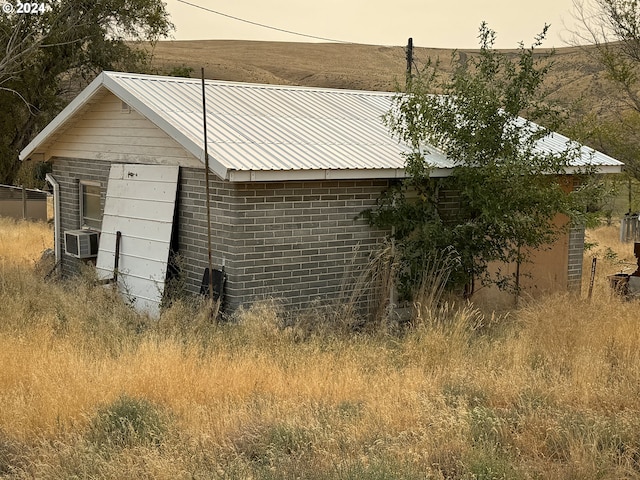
[(140, 203)]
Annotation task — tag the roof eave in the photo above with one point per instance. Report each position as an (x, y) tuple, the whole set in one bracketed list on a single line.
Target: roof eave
[(324, 174), (599, 169)]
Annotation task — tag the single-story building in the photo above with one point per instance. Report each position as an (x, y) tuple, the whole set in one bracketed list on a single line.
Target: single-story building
[(292, 167)]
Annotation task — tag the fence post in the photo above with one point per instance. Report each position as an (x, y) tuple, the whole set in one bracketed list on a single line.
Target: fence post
[(24, 203)]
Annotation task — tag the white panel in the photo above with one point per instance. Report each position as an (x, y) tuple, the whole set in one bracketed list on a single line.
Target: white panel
[(140, 204), (157, 192), (149, 174), (144, 209), (137, 229)]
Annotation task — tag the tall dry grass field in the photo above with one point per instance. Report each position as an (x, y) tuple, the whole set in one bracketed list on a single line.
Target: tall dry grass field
[(90, 389), (22, 243)]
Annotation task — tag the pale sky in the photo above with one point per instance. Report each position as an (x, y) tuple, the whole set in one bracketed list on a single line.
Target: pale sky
[(443, 23)]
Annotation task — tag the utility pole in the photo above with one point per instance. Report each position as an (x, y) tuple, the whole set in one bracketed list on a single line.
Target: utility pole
[(409, 60)]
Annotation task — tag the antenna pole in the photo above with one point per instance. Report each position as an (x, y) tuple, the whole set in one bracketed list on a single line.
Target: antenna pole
[(206, 180)]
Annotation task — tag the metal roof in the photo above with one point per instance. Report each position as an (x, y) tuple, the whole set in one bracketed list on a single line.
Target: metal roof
[(269, 132)]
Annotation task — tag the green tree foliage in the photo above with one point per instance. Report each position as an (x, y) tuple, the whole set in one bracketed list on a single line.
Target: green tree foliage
[(611, 29), (50, 55), (619, 137), (508, 191)]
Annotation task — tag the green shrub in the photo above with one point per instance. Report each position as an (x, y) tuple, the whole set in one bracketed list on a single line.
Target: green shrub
[(128, 422), (489, 464), (272, 444)]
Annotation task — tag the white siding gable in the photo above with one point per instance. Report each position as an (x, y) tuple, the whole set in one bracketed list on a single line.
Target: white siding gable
[(107, 131)]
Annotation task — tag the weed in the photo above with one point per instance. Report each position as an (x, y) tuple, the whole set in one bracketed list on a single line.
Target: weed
[(380, 469), (463, 394), (270, 444), (128, 422), (490, 464), (610, 255), (590, 245)]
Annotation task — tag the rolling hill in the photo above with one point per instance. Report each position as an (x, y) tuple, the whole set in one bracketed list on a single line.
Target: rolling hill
[(575, 79)]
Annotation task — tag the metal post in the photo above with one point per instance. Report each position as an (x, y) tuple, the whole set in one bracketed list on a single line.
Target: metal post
[(206, 176), (116, 260), (593, 276), (24, 203)]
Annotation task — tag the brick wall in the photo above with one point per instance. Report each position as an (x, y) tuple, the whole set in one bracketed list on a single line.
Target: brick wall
[(192, 227), (302, 241), (68, 172), (294, 241)]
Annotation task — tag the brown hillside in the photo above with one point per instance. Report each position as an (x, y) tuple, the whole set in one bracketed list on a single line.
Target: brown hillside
[(574, 77)]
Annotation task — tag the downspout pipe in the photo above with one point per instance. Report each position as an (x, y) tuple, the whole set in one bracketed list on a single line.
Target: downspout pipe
[(56, 217)]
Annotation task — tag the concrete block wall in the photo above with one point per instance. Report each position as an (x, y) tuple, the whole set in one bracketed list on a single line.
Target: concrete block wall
[(449, 204), (291, 241), (294, 241), (68, 172), (192, 226), (301, 241), (575, 252)]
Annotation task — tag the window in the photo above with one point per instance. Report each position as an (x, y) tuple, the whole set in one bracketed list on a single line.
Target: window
[(90, 212)]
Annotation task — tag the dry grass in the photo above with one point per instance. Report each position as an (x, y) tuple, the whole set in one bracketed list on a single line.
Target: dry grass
[(90, 389), (22, 242)]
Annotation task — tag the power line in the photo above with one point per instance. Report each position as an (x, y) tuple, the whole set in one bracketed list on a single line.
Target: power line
[(262, 24)]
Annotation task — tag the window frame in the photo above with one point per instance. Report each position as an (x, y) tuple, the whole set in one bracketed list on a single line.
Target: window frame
[(94, 223)]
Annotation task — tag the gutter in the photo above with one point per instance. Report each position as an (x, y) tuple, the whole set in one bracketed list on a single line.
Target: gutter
[(56, 217)]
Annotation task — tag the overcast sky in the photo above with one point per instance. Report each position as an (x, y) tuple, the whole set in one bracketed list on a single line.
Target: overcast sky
[(442, 23)]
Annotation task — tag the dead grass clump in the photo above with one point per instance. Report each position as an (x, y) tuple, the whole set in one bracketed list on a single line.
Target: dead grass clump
[(12, 455), (591, 353)]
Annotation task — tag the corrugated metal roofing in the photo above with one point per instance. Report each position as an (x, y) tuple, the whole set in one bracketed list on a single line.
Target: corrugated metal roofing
[(270, 129), (264, 127)]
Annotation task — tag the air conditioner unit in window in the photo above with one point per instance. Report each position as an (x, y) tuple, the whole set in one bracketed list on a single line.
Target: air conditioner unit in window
[(81, 243)]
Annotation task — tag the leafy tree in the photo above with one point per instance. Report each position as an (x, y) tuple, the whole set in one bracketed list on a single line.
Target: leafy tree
[(51, 55), (507, 192), (611, 29), (619, 137)]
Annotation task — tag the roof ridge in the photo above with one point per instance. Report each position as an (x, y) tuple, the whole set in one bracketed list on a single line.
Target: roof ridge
[(231, 83)]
